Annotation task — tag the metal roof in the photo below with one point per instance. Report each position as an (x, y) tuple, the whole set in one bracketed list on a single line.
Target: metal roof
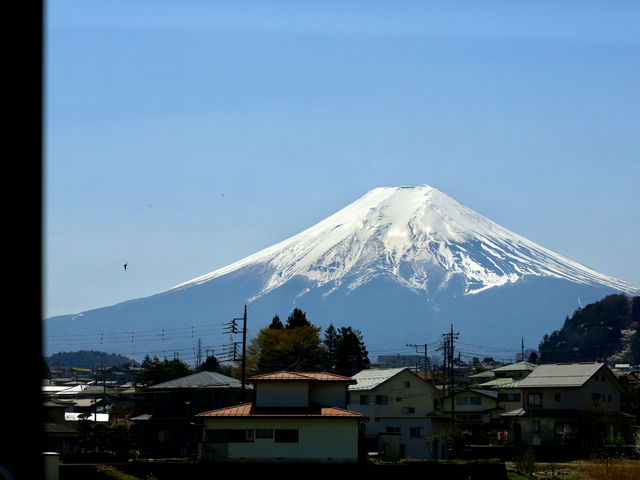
[(249, 410), (561, 375), (199, 380), (301, 376), (519, 366), (371, 378), (485, 374), (498, 382)]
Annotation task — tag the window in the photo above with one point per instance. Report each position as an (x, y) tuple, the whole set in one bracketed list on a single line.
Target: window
[(264, 433), (556, 396), (407, 384), (406, 410), (364, 399), (534, 399), (595, 397), (286, 436), (609, 399), (393, 430), (535, 426), (509, 397), (415, 432), (381, 399), (462, 401), (475, 401), (563, 429)]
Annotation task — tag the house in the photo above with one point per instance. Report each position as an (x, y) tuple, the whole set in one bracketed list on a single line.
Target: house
[(567, 403), (472, 406), (164, 412), (59, 435), (400, 410), (294, 417)]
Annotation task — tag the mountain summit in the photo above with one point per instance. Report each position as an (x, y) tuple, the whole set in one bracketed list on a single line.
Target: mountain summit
[(416, 236), (400, 264)]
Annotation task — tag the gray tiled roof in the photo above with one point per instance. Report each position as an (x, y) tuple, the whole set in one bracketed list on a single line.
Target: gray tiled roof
[(561, 375), (199, 380)]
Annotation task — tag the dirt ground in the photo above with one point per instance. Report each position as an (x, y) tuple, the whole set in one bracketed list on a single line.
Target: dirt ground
[(584, 470)]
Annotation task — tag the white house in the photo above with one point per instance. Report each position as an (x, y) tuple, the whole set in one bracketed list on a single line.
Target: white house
[(295, 417), (400, 410)]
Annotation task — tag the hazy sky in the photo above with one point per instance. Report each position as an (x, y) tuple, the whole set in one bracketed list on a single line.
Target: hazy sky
[(183, 136)]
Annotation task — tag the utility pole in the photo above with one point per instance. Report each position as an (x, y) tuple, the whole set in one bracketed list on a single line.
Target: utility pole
[(234, 330), (449, 339), (199, 354), (244, 351), (426, 360)]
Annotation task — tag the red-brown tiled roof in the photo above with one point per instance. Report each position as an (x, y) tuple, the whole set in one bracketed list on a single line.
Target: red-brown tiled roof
[(248, 410), (302, 376)]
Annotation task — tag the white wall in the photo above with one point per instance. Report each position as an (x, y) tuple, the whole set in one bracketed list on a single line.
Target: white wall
[(322, 440)]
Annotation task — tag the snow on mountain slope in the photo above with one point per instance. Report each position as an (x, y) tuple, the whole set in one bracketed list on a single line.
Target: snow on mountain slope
[(418, 237)]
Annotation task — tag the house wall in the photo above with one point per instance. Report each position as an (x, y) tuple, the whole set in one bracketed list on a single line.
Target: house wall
[(469, 412), (320, 440), (506, 404), (607, 397), (282, 394), (331, 394)]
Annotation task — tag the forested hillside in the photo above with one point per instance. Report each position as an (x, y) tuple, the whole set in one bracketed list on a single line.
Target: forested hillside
[(603, 329), (88, 359)]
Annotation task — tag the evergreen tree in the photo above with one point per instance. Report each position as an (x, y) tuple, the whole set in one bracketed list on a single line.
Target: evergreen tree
[(276, 324), (330, 343), (210, 364), (154, 371), (346, 350), (297, 318)]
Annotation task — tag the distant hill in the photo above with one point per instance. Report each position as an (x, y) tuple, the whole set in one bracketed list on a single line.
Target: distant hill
[(88, 359), (604, 329)]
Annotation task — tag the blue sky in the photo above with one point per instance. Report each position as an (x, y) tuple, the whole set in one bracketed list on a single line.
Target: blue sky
[(183, 136)]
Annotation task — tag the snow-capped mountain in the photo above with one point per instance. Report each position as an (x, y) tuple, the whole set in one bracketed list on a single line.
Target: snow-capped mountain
[(418, 237), (399, 264)]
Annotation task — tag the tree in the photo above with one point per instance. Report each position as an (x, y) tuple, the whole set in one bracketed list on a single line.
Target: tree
[(295, 349), (276, 324), (297, 318), (154, 371), (211, 364), (346, 350)]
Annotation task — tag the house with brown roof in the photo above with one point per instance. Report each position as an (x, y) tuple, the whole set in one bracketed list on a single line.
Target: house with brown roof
[(294, 417)]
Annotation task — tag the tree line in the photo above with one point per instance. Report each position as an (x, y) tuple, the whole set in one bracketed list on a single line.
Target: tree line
[(295, 345)]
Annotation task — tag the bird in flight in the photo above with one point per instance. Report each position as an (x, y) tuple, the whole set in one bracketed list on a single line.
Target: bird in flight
[(125, 266)]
